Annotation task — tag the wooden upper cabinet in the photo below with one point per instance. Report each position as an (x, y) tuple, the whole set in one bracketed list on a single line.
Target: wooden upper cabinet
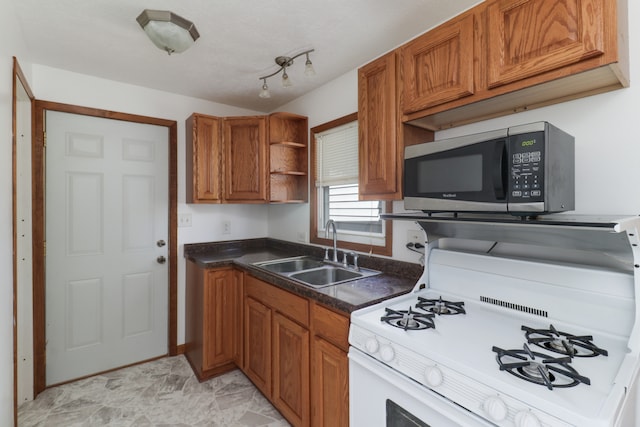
[(288, 153), (245, 159), (381, 135), (506, 56), (438, 66), (526, 38), (203, 159), (378, 144)]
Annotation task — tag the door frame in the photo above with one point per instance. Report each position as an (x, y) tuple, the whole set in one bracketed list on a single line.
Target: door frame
[(19, 79), (39, 216)]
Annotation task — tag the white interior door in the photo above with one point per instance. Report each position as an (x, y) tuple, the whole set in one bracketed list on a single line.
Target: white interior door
[(106, 215)]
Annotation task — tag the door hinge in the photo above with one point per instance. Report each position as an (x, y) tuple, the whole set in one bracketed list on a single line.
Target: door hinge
[(44, 244), (44, 139)]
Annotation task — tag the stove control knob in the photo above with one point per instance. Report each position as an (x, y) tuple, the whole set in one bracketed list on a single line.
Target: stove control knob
[(433, 376), (495, 408), (527, 419), (371, 345), (386, 353)]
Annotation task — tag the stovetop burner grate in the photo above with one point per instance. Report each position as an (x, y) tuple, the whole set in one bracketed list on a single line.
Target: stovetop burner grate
[(563, 343), (440, 306), (408, 319), (539, 368)]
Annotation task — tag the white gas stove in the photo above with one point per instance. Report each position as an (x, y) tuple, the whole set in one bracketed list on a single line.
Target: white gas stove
[(490, 340)]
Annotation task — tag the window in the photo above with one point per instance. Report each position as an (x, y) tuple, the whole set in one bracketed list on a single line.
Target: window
[(334, 191)]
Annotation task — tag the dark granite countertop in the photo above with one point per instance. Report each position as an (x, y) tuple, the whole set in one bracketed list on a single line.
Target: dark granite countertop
[(398, 277)]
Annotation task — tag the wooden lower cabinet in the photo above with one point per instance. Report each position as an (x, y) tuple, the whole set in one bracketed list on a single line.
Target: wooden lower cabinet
[(257, 345), (329, 385), (291, 369), (276, 352), (213, 333), (329, 367), (293, 349)]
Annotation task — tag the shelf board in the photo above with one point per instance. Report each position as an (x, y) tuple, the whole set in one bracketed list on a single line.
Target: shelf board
[(287, 201), (291, 144), (297, 173)]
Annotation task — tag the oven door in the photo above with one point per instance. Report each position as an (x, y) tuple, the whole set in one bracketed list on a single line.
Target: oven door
[(382, 397)]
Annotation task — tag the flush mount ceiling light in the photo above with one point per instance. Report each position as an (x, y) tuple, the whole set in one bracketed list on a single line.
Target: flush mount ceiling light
[(284, 62), (168, 31)]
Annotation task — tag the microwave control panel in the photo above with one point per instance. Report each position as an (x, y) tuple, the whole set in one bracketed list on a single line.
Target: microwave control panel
[(526, 159)]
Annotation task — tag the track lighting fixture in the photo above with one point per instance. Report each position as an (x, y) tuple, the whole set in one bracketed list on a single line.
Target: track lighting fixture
[(284, 62)]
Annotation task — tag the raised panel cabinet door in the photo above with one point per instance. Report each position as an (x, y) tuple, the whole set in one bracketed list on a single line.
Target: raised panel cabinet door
[(530, 37), (222, 318), (257, 344), (246, 158), (291, 370), (204, 159), (329, 385), (437, 67), (378, 144)]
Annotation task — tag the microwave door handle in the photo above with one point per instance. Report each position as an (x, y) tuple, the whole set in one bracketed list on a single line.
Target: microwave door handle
[(500, 174)]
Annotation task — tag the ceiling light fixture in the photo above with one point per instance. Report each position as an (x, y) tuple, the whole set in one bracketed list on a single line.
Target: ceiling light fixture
[(284, 62), (168, 31)]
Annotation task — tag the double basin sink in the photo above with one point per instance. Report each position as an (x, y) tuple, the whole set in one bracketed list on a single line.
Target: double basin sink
[(315, 272)]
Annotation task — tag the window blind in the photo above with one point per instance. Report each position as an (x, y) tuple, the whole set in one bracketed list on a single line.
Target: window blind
[(337, 155)]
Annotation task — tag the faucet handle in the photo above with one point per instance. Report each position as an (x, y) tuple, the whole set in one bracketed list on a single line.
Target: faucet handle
[(345, 263), (355, 260), (326, 253)]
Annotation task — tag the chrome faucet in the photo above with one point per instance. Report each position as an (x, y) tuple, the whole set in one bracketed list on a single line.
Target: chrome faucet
[(335, 238)]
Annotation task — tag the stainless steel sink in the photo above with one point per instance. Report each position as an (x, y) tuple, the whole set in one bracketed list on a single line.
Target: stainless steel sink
[(291, 265), (315, 272)]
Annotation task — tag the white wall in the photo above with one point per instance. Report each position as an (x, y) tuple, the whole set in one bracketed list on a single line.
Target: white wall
[(605, 128)]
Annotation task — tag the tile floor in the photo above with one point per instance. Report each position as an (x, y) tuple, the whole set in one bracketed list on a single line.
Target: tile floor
[(161, 393)]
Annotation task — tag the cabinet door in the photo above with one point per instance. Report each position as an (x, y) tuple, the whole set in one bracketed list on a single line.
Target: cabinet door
[(291, 370), (222, 299), (246, 159), (204, 159), (529, 37), (380, 151), (257, 344), (330, 385), (437, 67)]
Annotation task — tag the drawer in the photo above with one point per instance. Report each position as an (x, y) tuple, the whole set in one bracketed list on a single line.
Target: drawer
[(293, 306), (330, 325)]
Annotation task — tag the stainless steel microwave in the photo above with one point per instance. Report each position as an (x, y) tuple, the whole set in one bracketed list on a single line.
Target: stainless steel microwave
[(521, 170)]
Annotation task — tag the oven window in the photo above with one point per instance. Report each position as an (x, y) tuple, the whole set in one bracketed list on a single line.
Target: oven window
[(399, 417)]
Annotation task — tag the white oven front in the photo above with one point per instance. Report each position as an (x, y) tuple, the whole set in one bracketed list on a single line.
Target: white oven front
[(382, 397)]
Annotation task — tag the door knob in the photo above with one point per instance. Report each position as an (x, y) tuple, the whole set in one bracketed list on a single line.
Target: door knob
[(161, 259), (161, 243)]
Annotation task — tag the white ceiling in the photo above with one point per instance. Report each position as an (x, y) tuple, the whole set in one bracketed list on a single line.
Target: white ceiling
[(239, 40)]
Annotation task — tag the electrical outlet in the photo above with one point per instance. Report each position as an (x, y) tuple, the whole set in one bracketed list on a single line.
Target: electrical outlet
[(415, 236), (226, 227), (184, 220), (302, 236)]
